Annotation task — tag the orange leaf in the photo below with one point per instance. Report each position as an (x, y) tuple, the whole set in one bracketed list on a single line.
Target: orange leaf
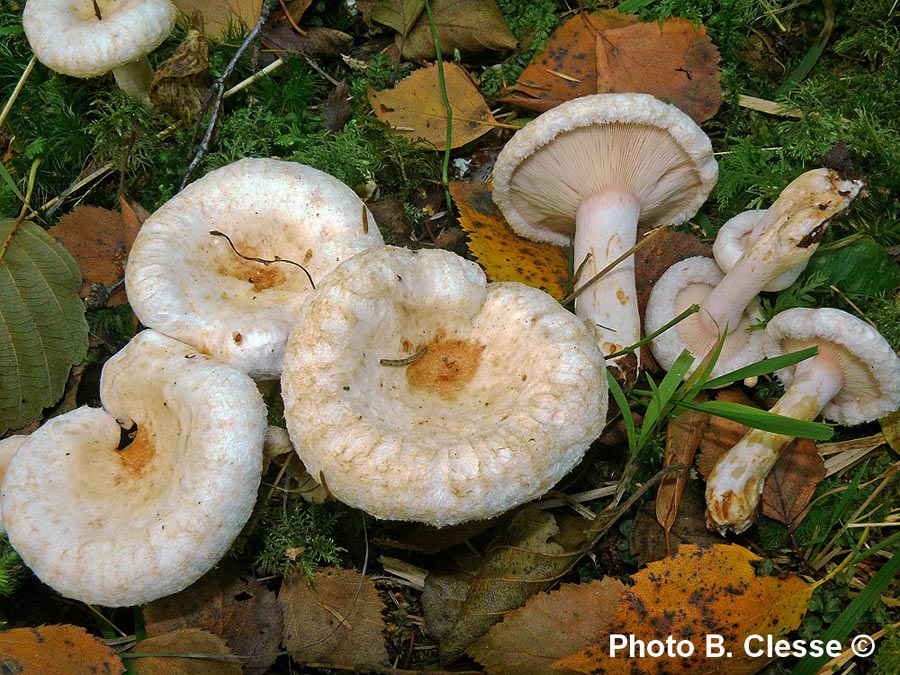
[(466, 25), (56, 650), (505, 255), (218, 15), (572, 615), (696, 593), (190, 642), (610, 52), (415, 107)]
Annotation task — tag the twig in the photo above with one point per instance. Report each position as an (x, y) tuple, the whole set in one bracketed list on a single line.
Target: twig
[(264, 261), (18, 88), (214, 97), (397, 363)]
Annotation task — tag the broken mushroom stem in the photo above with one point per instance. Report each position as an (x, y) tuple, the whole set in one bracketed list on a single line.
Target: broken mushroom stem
[(734, 488)]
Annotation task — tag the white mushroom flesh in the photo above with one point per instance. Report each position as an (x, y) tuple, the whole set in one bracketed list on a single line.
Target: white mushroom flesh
[(506, 394), (208, 292), (123, 527)]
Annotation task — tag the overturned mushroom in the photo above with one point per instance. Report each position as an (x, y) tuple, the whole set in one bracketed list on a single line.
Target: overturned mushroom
[(728, 304), (226, 264), (89, 38), (123, 527), (415, 390), (594, 168), (854, 378)]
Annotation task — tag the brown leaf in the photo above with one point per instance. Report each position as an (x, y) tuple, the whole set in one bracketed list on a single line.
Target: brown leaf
[(180, 82), (218, 15), (466, 25), (610, 52), (890, 427), (442, 600), (336, 620), (187, 641), (316, 42), (336, 109), (56, 650), (505, 255), (683, 437), (133, 216), (793, 480), (648, 541), (696, 593), (243, 613), (415, 107), (651, 261), (549, 627), (401, 15), (98, 240)]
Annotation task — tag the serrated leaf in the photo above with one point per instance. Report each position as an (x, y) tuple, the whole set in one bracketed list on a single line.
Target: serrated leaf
[(401, 15), (43, 332), (466, 25), (859, 268)]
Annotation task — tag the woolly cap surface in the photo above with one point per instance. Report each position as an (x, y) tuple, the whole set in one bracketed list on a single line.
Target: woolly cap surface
[(505, 400), (66, 35), (870, 366), (687, 283), (8, 448), (633, 143), (192, 285), (120, 528)]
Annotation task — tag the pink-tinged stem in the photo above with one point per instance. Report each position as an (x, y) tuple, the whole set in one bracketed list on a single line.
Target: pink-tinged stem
[(735, 485), (606, 227)]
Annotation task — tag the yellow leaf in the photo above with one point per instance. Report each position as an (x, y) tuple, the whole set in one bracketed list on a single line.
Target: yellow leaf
[(694, 594), (415, 107), (218, 15), (505, 255), (56, 650), (188, 642)]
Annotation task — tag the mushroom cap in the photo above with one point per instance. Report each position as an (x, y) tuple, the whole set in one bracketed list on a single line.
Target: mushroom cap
[(193, 286), (8, 448), (505, 401), (732, 240), (125, 527), (687, 283), (623, 142), (870, 365), (67, 37)]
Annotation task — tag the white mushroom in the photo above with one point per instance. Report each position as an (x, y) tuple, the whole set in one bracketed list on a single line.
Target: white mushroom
[(594, 168), (415, 390), (728, 303), (8, 448), (125, 527), (84, 38), (194, 272), (854, 378)]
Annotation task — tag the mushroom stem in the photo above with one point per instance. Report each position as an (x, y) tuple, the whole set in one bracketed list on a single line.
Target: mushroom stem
[(134, 79), (606, 227), (735, 485)]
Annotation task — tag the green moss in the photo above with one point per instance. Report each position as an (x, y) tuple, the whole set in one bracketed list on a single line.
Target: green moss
[(301, 539), (12, 569)]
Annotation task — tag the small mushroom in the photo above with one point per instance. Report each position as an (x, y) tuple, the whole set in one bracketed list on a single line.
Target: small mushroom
[(89, 38), (594, 168), (728, 303), (415, 390), (123, 527), (854, 378), (226, 264)]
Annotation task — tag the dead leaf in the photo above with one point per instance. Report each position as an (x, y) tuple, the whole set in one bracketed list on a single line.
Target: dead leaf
[(180, 82), (890, 427), (56, 650), (647, 540), (415, 107), (98, 239), (668, 248), (683, 437), (133, 216), (218, 15), (466, 25), (401, 15), (793, 480), (245, 614), (608, 52), (336, 109), (316, 42), (187, 641), (549, 627), (442, 600), (696, 593), (335, 620), (505, 255)]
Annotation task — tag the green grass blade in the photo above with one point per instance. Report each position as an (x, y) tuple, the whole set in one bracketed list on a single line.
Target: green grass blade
[(849, 618), (619, 395), (658, 406), (632, 6), (763, 367), (10, 181), (762, 419)]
